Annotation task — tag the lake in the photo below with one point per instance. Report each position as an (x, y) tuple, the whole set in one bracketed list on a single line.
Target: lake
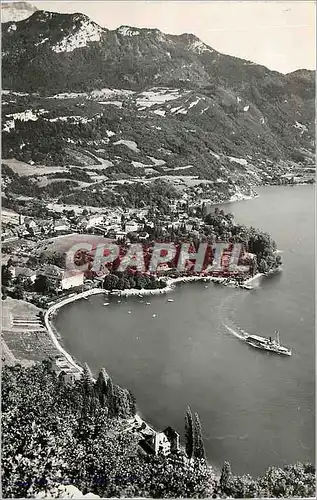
[(257, 409)]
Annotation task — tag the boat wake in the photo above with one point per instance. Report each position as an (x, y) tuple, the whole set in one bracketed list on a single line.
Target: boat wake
[(229, 325), (226, 311), (236, 333)]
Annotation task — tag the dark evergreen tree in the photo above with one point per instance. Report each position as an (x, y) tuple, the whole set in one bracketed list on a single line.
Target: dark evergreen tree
[(199, 448), (189, 433), (101, 386), (132, 402), (61, 380), (226, 478), (94, 404), (111, 404), (87, 386), (48, 365), (6, 276), (17, 292), (204, 210)]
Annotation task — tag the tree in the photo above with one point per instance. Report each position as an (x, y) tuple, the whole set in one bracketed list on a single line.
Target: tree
[(19, 280), (87, 384), (48, 365), (229, 217), (132, 402), (43, 285), (28, 285), (278, 261), (204, 210), (132, 282), (296, 480), (199, 449), (101, 386), (47, 442), (110, 398), (226, 479), (189, 433), (18, 293), (244, 487), (6, 276), (111, 282), (263, 267), (259, 242)]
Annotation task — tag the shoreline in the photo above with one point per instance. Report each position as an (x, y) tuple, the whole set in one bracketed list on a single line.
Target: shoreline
[(235, 198), (138, 418), (50, 329), (170, 287)]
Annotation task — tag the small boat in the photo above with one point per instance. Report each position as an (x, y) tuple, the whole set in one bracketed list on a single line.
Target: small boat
[(268, 344), (170, 300), (153, 315), (129, 312), (148, 303), (119, 301), (107, 304)]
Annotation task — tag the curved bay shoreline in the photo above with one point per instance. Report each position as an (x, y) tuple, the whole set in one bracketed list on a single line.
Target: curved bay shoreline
[(170, 287)]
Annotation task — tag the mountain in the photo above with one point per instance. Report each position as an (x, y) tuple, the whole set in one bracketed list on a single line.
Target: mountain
[(141, 103), (16, 11), (71, 52)]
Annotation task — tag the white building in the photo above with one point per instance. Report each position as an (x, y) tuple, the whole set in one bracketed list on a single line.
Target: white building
[(62, 368), (30, 223), (159, 443), (71, 279), (63, 279), (95, 220), (131, 226), (61, 226), (24, 272), (10, 217), (121, 235), (114, 218)]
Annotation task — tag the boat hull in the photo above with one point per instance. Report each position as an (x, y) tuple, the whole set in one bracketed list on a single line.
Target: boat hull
[(281, 352)]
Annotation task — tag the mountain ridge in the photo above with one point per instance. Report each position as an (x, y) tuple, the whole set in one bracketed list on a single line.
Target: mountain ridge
[(79, 91), (126, 57)]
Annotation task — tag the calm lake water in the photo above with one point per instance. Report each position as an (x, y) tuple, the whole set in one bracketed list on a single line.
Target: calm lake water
[(257, 409)]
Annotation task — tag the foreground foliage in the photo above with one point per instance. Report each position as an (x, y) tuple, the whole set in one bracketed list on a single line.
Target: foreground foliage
[(54, 434), (291, 481)]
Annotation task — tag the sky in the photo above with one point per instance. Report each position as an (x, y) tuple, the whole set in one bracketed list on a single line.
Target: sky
[(280, 35)]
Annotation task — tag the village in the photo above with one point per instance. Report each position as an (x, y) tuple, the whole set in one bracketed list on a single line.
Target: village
[(36, 283), (33, 247)]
